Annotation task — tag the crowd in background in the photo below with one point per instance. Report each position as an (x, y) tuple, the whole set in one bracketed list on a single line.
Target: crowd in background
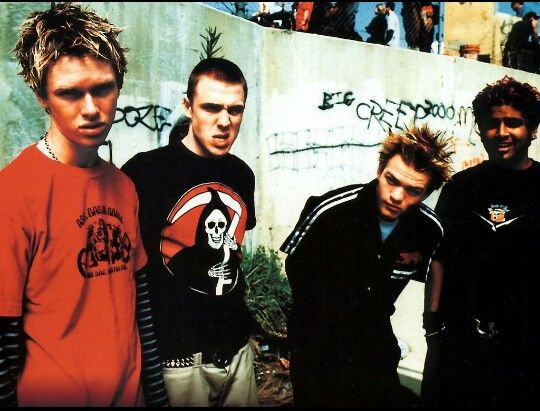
[(339, 19), (522, 48), (411, 24)]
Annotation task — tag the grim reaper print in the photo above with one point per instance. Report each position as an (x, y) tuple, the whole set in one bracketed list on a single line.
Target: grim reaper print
[(201, 242)]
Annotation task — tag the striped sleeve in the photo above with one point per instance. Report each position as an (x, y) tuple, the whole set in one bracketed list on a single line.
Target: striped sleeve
[(151, 372), (439, 230), (314, 208), (10, 356)]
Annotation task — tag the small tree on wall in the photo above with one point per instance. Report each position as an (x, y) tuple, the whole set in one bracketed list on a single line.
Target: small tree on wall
[(209, 43)]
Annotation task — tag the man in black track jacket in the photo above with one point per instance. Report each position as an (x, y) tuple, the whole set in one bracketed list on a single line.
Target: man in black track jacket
[(350, 255)]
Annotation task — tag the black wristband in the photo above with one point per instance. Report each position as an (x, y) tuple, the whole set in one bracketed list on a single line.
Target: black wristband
[(432, 322)]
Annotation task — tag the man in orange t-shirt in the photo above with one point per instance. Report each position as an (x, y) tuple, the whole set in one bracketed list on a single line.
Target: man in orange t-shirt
[(303, 15), (71, 260)]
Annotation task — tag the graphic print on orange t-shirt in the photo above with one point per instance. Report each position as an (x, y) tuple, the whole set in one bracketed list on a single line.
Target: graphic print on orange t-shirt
[(107, 246), (201, 241)]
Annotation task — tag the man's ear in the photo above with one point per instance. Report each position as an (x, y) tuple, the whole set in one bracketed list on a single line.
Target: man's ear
[(187, 106), (533, 134), (43, 102)]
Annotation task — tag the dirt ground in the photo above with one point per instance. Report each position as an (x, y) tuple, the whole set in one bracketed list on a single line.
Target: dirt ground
[(272, 375)]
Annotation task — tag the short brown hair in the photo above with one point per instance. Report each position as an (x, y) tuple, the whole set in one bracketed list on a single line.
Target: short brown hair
[(422, 148), (66, 29), (219, 69)]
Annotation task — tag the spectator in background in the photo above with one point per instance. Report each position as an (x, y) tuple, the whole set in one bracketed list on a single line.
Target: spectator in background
[(520, 8), (340, 19), (377, 28), (275, 14), (393, 24), (419, 19), (427, 22), (240, 8), (318, 16), (411, 23), (304, 9), (521, 50)]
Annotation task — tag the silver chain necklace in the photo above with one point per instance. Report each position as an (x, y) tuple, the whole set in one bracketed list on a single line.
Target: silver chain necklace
[(44, 138)]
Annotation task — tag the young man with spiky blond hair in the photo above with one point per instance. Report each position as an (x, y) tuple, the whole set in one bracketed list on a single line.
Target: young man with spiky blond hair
[(351, 254), (70, 307)]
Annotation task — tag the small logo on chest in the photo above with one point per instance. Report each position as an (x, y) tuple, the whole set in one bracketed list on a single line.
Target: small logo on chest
[(497, 213), (406, 265), (409, 258), (497, 216)]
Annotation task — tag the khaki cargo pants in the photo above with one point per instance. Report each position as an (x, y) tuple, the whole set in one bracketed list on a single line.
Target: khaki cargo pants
[(206, 385)]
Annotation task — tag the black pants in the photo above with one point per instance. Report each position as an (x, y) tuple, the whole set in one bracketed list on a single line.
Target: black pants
[(349, 377), (466, 370)]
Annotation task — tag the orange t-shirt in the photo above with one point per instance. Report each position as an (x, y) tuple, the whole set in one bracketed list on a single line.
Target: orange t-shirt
[(69, 246)]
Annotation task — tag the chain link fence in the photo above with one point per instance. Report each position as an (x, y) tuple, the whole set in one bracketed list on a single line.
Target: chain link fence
[(420, 23)]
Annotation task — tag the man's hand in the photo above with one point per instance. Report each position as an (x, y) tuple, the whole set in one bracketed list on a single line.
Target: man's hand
[(432, 323)]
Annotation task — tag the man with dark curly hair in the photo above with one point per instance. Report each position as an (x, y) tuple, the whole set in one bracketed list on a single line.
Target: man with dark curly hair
[(482, 327), (351, 254), (76, 328)]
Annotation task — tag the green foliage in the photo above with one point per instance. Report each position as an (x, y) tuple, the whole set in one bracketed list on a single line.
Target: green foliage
[(268, 294), (209, 44)]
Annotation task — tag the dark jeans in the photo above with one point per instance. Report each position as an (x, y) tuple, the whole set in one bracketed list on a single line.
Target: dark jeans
[(463, 369), (362, 376)]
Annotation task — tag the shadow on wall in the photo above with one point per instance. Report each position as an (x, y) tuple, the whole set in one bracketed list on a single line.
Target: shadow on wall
[(179, 130)]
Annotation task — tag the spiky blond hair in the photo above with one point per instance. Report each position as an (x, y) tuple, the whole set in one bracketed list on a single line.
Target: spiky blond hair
[(422, 148), (66, 29)]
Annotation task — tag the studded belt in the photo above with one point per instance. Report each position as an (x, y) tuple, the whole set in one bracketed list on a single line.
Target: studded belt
[(179, 362), (197, 359)]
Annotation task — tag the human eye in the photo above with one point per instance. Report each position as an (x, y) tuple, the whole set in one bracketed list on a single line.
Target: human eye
[(212, 108), (103, 89), (392, 180), (236, 110), (491, 123), (513, 122), (69, 94), (414, 191)]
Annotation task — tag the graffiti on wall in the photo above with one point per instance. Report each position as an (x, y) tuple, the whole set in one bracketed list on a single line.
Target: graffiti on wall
[(398, 114), (354, 148), (153, 117)]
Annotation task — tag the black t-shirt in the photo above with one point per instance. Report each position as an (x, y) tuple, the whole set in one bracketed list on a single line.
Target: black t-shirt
[(519, 36), (491, 218), (193, 213)]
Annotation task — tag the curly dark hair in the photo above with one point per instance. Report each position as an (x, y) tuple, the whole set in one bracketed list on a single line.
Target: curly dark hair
[(424, 149), (510, 92)]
